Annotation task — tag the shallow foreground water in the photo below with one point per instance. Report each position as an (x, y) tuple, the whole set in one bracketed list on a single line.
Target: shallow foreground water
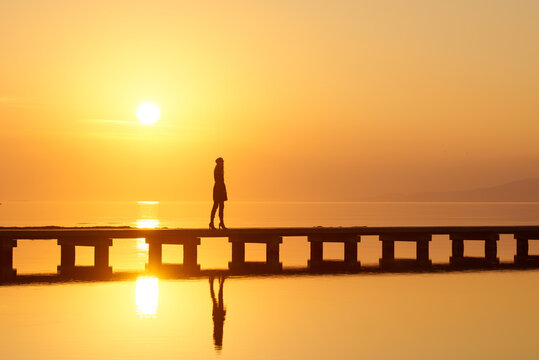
[(488, 314)]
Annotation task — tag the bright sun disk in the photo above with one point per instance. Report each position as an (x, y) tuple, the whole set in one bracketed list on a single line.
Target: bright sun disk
[(148, 113)]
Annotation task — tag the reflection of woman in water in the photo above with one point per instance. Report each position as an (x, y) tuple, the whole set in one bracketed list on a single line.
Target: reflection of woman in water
[(218, 313), (219, 194)]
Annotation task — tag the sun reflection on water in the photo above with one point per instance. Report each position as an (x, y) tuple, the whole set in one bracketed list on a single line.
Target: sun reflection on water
[(147, 296), (142, 247), (147, 223)]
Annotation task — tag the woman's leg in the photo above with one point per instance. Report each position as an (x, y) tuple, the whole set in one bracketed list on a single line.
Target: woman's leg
[(213, 210), (221, 211)]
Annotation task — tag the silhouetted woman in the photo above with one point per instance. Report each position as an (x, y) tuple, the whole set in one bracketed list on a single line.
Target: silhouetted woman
[(219, 194)]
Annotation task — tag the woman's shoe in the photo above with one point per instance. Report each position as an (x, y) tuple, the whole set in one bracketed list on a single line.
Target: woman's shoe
[(212, 227), (222, 225)]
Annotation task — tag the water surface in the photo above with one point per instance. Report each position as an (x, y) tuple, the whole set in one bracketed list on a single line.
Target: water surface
[(487, 314)]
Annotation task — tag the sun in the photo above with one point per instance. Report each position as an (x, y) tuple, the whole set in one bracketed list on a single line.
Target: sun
[(148, 113)]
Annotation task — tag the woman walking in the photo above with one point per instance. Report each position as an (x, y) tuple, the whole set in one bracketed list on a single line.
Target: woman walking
[(219, 194)]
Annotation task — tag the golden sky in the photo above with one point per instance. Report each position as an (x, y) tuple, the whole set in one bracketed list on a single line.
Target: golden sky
[(305, 100)]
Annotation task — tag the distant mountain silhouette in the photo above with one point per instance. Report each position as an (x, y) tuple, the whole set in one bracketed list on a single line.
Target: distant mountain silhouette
[(519, 190)]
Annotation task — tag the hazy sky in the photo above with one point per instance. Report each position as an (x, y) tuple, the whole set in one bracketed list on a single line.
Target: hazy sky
[(305, 100)]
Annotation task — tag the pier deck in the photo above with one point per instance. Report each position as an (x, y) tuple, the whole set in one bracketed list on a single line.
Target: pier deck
[(129, 232)]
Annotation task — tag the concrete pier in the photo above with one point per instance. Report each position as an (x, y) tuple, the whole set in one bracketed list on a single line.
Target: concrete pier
[(190, 254), (67, 265), (272, 263), (101, 239), (523, 258), (6, 258), (422, 250), (457, 245), (317, 261)]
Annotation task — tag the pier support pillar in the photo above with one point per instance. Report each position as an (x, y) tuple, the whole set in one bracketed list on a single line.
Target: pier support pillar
[(155, 254), (523, 258), (522, 248), (190, 255), (388, 250), (317, 252), (422, 250), (101, 257), (272, 263), (350, 252), (67, 258), (238, 253), (491, 249), (7, 271), (317, 262), (272, 253), (457, 247)]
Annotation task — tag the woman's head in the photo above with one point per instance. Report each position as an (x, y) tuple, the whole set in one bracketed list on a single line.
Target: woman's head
[(219, 161)]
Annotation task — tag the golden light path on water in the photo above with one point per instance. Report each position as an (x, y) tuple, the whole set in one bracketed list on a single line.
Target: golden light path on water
[(142, 247), (147, 223), (147, 296), (147, 287), (147, 217)]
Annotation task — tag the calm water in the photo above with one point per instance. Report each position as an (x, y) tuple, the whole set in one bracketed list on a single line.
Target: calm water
[(421, 316)]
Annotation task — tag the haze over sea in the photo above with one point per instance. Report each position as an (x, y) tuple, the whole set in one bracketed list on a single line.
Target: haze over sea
[(473, 315)]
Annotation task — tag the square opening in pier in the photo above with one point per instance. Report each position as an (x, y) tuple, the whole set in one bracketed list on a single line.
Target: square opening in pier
[(255, 252), (474, 248), (128, 254), (405, 250), (333, 251), (440, 249), (369, 250), (172, 254), (507, 248), (36, 257), (294, 251), (214, 253), (533, 247), (84, 255)]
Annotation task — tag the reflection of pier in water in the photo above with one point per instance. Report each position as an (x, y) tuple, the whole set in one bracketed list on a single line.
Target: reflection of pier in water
[(101, 240)]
